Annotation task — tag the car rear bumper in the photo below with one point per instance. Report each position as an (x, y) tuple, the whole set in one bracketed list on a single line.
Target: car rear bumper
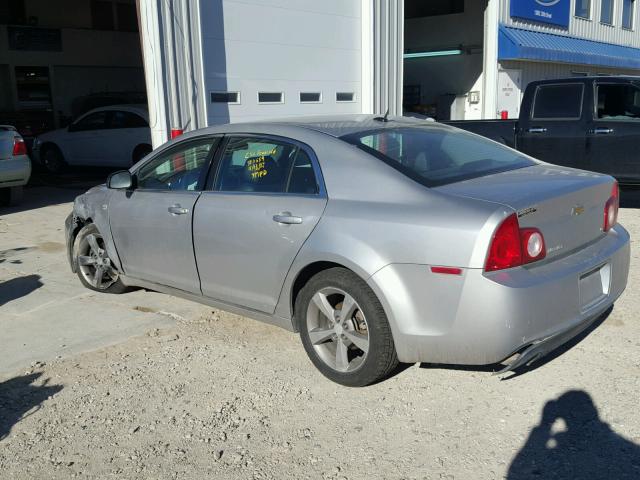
[(15, 171), (478, 318)]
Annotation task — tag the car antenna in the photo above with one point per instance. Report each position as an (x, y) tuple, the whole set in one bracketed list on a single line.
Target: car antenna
[(384, 119)]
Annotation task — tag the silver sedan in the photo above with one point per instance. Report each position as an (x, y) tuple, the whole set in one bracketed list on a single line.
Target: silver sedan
[(380, 240)]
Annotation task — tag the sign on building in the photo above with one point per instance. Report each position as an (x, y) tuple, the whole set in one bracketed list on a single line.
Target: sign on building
[(555, 12)]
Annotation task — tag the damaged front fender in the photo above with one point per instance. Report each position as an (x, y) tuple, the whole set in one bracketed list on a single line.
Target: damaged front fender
[(91, 207)]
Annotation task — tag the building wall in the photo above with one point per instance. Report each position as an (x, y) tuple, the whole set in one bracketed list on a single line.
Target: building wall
[(288, 46), (590, 29)]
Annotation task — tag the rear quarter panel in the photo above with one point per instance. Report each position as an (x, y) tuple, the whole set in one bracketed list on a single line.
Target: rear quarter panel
[(375, 216)]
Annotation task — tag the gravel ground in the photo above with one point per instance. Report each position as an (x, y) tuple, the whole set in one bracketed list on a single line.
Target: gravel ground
[(219, 396)]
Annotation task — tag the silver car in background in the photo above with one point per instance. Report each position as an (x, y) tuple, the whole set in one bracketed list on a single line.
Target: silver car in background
[(15, 165), (381, 240)]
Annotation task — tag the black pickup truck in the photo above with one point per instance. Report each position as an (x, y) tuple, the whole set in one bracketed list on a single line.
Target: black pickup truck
[(591, 123)]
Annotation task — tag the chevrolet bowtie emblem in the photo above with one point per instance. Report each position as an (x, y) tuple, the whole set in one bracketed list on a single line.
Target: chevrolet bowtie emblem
[(577, 210)]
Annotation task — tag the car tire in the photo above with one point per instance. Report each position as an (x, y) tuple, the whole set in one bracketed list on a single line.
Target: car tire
[(341, 352), (140, 152), (89, 255), (52, 159)]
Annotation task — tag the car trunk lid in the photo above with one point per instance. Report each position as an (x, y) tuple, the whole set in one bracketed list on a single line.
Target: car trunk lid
[(567, 205)]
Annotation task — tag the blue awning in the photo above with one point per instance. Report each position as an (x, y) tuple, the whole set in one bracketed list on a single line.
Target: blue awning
[(519, 44)]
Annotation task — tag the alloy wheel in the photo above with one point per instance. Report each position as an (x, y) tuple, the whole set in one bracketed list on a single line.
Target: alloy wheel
[(338, 329), (94, 263)]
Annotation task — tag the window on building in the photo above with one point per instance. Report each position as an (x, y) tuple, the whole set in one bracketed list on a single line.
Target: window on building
[(618, 102), (102, 15), (32, 85), (270, 97), (127, 17), (628, 11), (431, 8), (583, 8), (345, 97), (256, 165), (225, 97), (575, 73), (606, 12), (310, 97), (558, 101)]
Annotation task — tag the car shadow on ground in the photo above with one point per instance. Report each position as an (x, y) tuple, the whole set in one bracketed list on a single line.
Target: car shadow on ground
[(45, 189), (18, 398), (572, 441), (538, 363), (18, 287)]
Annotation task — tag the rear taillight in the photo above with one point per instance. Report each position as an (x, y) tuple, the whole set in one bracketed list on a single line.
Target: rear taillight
[(513, 246), (19, 147), (533, 247), (611, 209)]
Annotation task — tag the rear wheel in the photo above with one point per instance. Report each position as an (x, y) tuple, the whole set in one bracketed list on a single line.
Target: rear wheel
[(52, 159), (344, 329), (93, 265)]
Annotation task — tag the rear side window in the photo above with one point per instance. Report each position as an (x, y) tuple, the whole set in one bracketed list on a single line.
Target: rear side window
[(438, 155), (120, 119), (558, 102), (254, 164), (618, 102)]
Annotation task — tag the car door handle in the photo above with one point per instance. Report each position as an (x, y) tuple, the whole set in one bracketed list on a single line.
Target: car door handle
[(537, 130), (602, 131), (177, 210), (287, 219)]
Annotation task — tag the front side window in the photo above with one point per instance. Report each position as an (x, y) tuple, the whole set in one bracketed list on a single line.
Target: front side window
[(627, 13), (618, 102), (93, 121), (558, 102), (583, 8), (180, 168), (264, 165), (437, 155), (606, 12)]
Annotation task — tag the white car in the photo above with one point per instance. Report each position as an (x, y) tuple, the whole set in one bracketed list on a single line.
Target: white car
[(15, 166), (114, 136)]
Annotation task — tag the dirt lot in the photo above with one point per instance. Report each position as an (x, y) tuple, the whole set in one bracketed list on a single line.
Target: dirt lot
[(149, 386)]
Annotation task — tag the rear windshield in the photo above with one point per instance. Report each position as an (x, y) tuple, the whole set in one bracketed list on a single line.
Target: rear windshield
[(436, 155)]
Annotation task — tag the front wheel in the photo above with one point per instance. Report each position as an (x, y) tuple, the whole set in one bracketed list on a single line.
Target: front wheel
[(344, 329), (93, 265)]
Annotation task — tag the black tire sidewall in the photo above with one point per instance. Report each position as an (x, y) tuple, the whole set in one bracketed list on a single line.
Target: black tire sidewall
[(381, 355), (58, 165)]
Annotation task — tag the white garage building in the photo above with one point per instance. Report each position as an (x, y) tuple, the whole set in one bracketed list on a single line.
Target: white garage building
[(215, 61)]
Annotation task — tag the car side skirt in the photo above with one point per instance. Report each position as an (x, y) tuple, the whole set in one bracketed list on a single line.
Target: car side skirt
[(227, 307)]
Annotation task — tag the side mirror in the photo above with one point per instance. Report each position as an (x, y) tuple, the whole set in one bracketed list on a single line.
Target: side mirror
[(71, 127), (120, 180)]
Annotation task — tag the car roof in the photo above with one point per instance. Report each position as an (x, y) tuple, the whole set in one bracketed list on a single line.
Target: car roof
[(341, 125), (138, 108)]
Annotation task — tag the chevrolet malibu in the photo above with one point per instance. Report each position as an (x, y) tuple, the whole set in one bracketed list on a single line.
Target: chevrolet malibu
[(380, 240)]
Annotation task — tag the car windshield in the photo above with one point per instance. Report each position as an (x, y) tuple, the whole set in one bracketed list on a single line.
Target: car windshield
[(437, 155)]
